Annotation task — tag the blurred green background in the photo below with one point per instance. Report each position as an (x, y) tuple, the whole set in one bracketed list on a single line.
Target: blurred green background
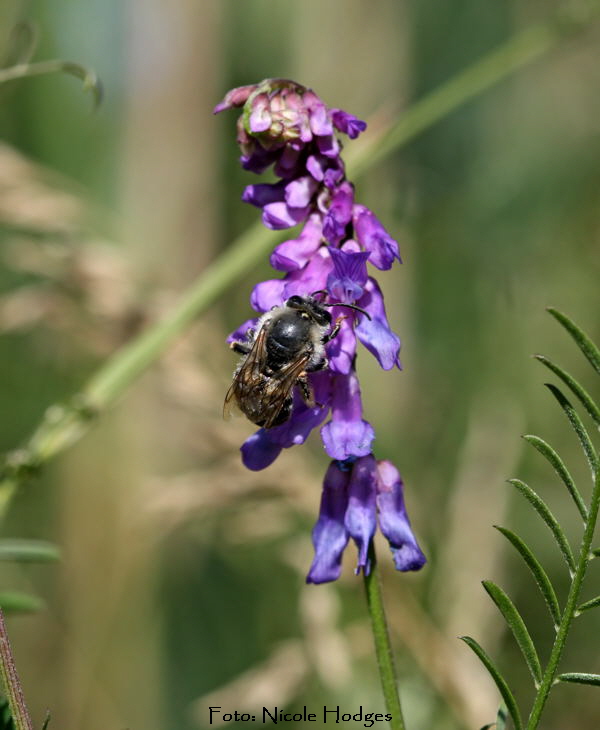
[(182, 578)]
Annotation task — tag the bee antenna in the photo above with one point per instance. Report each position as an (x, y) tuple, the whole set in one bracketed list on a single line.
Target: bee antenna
[(319, 291), (350, 306)]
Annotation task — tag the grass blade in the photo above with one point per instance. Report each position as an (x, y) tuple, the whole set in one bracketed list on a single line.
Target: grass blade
[(589, 604), (495, 674), (544, 512), (580, 392), (539, 574), (580, 430), (580, 678), (515, 621), (28, 551), (584, 343), (559, 467)]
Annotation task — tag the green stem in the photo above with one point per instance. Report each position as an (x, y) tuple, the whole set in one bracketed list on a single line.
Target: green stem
[(62, 426), (570, 609), (10, 680), (383, 647), (25, 70)]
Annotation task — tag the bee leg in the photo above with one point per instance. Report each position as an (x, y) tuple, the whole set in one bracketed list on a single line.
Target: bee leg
[(334, 332), (242, 348), (321, 365), (306, 390)]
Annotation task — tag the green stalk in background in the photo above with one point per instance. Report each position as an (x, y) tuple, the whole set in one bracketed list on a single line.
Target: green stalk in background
[(64, 425)]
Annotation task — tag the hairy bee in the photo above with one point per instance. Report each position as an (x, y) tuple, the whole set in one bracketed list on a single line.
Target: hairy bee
[(287, 344)]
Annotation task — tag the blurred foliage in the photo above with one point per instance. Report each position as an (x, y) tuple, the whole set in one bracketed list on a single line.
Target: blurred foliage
[(181, 580)]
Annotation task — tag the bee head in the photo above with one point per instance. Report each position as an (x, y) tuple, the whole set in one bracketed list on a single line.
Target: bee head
[(311, 307)]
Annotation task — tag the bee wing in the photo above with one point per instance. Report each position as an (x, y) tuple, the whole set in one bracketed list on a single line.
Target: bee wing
[(248, 377), (280, 386)]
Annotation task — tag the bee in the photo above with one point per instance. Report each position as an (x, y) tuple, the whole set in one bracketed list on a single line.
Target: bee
[(287, 344)]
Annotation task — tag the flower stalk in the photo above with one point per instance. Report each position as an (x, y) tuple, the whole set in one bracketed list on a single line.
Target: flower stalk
[(383, 647), (11, 683)]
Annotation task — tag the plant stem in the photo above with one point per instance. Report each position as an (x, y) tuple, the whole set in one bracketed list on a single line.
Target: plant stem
[(383, 647), (24, 70), (63, 425), (570, 609), (10, 680)]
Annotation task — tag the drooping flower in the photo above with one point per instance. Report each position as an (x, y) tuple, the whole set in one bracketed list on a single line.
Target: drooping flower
[(286, 126)]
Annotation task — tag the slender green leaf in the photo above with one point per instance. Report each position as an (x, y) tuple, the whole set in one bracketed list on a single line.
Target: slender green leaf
[(589, 604), (596, 553), (513, 618), (580, 430), (28, 551), (495, 674), (580, 678), (544, 512), (16, 602), (46, 722), (559, 467), (540, 575), (584, 343), (580, 392)]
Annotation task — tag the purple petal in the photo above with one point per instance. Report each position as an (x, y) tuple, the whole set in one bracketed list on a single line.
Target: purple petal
[(373, 236), (287, 162), (320, 123), (239, 335), (263, 193), (267, 294), (259, 450), (393, 520), (347, 123), (339, 213), (260, 118), (235, 97), (316, 165), (328, 145), (312, 277), (375, 334), (333, 176), (347, 434), (360, 519), (342, 349), (329, 535), (279, 215), (299, 192), (349, 275), (295, 253), (297, 428)]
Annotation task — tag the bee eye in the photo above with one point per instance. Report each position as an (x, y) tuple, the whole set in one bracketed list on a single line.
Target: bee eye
[(294, 301)]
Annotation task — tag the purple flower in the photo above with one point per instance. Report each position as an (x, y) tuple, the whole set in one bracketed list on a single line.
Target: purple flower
[(375, 333), (339, 213), (358, 494), (375, 239), (393, 520), (296, 253), (347, 434), (347, 123), (345, 283)]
